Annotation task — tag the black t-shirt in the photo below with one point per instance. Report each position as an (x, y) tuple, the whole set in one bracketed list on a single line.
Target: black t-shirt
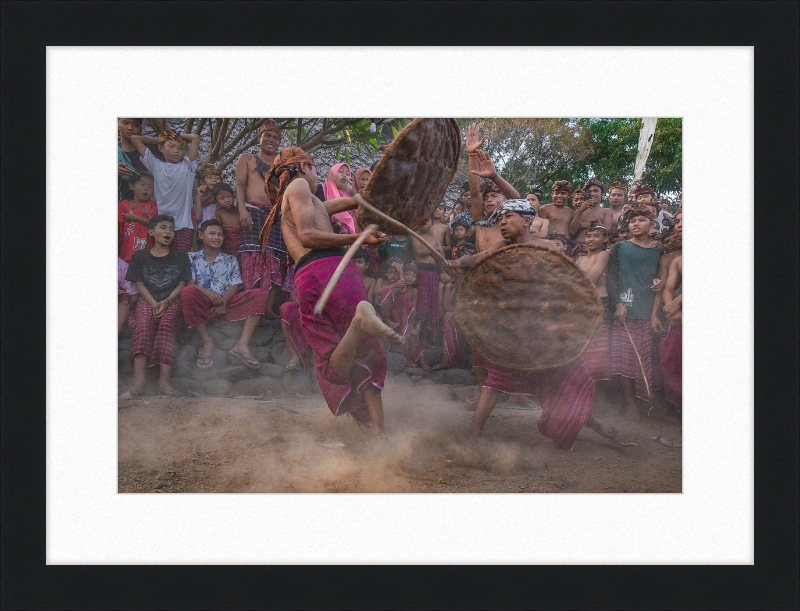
[(160, 274)]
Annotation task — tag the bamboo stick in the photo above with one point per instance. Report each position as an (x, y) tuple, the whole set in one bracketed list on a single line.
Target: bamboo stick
[(320, 305)]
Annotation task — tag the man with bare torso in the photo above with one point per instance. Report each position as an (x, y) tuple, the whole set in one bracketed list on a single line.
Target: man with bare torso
[(557, 213), (588, 210), (617, 192), (348, 357), (254, 207)]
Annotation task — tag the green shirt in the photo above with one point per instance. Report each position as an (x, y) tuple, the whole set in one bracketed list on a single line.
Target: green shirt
[(631, 271)]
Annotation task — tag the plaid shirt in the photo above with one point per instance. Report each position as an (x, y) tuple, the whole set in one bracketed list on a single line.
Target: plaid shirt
[(218, 276)]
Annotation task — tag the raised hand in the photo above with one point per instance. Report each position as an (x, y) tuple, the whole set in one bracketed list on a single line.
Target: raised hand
[(485, 165), (474, 140)]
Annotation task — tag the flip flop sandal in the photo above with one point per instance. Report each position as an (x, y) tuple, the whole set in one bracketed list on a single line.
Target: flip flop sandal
[(203, 359), (245, 360), (290, 367)]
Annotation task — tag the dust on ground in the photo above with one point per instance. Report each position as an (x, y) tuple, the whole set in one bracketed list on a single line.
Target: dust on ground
[(297, 445)]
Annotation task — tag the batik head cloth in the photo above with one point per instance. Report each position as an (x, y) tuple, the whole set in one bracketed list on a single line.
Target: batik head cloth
[(284, 167), (637, 209), (487, 186), (520, 206), (210, 169), (642, 190), (169, 135), (562, 185), (537, 192), (618, 185), (269, 126), (593, 182), (460, 223), (595, 226)]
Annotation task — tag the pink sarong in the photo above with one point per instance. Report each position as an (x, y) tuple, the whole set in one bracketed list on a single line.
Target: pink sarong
[(428, 299), (255, 270), (230, 245), (401, 312), (454, 341), (324, 332), (672, 365), (198, 309), (155, 338), (598, 356), (566, 395), (290, 314)]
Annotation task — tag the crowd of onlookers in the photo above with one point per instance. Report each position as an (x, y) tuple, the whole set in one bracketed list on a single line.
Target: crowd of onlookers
[(189, 253)]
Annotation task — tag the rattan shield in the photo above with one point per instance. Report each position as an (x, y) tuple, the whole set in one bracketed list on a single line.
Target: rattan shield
[(412, 176), (527, 307)]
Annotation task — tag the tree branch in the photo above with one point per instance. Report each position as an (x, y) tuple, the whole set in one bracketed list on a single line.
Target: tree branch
[(238, 151)]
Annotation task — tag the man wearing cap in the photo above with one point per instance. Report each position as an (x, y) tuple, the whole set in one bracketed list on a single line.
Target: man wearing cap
[(588, 210)]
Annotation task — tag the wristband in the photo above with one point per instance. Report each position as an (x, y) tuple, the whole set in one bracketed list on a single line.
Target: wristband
[(493, 177), (472, 154)]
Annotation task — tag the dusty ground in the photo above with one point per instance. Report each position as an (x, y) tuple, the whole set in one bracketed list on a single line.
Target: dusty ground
[(249, 445)]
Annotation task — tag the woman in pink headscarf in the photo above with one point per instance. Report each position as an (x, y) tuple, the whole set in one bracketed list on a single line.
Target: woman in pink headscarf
[(338, 185)]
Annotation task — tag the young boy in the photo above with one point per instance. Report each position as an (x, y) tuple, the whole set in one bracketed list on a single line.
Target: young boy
[(617, 191), (133, 216), (213, 292), (595, 265), (361, 259), (127, 295), (461, 229), (204, 204), (174, 180), (227, 214), (160, 274), (129, 163), (427, 269), (632, 282), (559, 240), (392, 278)]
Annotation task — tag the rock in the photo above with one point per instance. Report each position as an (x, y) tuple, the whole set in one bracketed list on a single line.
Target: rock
[(280, 354), (402, 380), (257, 386), (394, 348), (219, 361), (262, 353), (185, 361), (233, 329), (262, 336), (396, 363), (416, 371), (125, 367), (296, 382), (227, 344), (184, 385), (426, 382), (453, 376), (217, 388), (415, 379), (126, 332), (236, 373), (432, 356), (124, 344), (271, 369), (215, 333)]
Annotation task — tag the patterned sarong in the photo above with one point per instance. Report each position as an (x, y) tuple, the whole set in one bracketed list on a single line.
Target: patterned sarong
[(598, 356), (454, 341), (672, 365), (183, 239), (230, 246), (623, 357), (290, 314), (565, 393), (428, 298), (156, 338), (324, 332), (198, 309), (401, 312), (254, 270)]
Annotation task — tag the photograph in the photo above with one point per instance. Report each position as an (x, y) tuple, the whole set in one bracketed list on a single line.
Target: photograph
[(475, 305)]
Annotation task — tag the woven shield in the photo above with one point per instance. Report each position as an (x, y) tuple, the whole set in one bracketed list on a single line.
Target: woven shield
[(411, 178), (527, 307)]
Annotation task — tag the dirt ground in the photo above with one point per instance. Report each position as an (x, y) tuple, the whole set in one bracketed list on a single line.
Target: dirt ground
[(297, 445)]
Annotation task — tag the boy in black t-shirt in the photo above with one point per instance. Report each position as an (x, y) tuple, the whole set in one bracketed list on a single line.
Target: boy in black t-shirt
[(160, 274)]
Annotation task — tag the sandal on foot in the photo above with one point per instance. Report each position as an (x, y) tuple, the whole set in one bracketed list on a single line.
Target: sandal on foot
[(471, 400), (204, 362), (248, 361), (290, 367)]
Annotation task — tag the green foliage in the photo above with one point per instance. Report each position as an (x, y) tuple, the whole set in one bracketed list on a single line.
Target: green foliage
[(615, 143)]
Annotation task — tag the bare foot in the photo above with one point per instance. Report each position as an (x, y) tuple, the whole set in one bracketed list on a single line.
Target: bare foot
[(439, 366), (167, 390), (632, 414), (421, 362), (606, 431), (367, 321)]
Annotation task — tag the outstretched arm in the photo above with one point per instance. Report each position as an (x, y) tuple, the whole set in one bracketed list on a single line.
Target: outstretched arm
[(194, 145), (487, 170), (339, 204), (474, 142)]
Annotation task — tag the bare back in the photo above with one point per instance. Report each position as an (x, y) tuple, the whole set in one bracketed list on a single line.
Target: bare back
[(559, 217), (298, 201)]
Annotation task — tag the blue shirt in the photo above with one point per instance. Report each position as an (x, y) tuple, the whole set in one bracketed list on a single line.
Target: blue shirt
[(218, 276)]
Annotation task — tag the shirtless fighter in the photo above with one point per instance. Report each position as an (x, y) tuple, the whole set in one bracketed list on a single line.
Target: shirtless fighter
[(350, 363), (557, 213), (565, 393)]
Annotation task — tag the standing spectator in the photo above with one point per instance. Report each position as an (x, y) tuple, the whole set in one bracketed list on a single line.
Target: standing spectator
[(337, 184), (134, 214), (205, 206), (228, 215), (535, 198), (588, 210), (174, 180), (557, 213), (617, 192), (160, 274), (632, 282)]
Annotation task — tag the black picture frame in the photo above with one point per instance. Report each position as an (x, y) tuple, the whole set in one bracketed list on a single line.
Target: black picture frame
[(771, 27)]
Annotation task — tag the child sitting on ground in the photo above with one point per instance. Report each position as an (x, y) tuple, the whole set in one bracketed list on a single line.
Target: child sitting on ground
[(160, 274), (133, 216), (228, 215), (361, 259), (174, 180)]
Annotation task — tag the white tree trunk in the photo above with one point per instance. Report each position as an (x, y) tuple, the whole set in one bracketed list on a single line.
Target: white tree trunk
[(645, 142)]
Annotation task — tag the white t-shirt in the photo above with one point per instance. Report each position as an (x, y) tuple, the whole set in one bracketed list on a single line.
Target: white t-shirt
[(173, 187)]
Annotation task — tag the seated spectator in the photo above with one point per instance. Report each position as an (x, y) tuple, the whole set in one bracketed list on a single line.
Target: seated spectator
[(560, 241), (174, 180), (213, 292), (228, 215), (133, 216), (128, 295), (204, 204), (160, 274)]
